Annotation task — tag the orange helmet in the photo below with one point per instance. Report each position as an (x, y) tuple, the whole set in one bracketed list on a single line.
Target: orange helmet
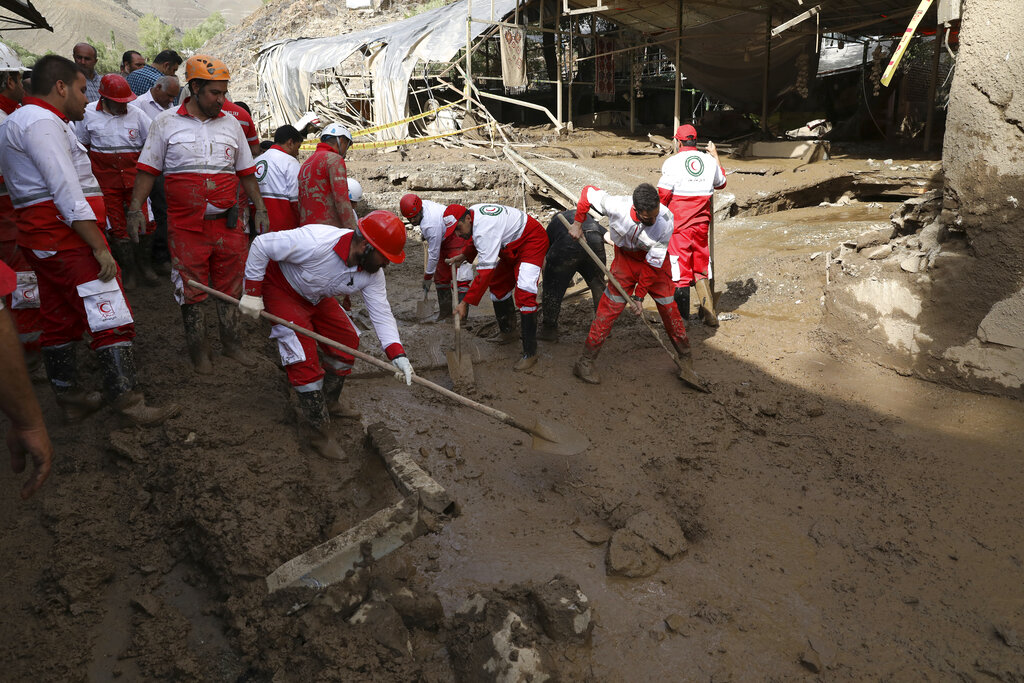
[(410, 205), (114, 88), (207, 68), (386, 233)]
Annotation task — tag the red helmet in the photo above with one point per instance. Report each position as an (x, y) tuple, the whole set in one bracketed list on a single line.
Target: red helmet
[(114, 88), (386, 233), (410, 205)]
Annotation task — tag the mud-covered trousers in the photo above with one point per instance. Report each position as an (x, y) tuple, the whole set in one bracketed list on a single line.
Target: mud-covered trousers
[(564, 259), (210, 253)]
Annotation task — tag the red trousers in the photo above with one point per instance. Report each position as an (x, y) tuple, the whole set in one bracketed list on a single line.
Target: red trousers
[(64, 317), (638, 278), (451, 246), (27, 320), (299, 352), (518, 269), (688, 254), (213, 256), (115, 201)]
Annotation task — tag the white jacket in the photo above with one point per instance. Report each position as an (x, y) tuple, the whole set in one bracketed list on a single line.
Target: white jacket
[(628, 233)]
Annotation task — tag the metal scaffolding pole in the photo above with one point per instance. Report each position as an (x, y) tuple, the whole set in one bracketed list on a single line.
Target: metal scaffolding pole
[(679, 75), (767, 69), (560, 62), (469, 54)]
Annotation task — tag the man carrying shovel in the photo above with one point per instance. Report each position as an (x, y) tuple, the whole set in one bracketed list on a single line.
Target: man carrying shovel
[(442, 244), (296, 274), (640, 228)]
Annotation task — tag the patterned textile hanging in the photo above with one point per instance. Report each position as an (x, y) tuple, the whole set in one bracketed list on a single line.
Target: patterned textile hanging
[(604, 80), (513, 60)]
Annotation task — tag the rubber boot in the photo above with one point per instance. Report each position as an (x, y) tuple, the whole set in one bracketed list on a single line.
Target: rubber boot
[(317, 424), (119, 384), (62, 369), (528, 332), (707, 303), (144, 261), (584, 367), (124, 254), (505, 314), (682, 299), (333, 384), (231, 336), (444, 304), (195, 338), (686, 371)]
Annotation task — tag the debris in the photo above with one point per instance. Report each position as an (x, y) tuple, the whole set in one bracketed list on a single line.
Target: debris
[(877, 253), (677, 623), (629, 555), (875, 237), (595, 534), (564, 611), (810, 661), (659, 530)]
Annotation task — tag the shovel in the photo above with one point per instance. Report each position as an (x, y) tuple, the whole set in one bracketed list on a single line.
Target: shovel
[(548, 437), (686, 372), (460, 367), (423, 308)]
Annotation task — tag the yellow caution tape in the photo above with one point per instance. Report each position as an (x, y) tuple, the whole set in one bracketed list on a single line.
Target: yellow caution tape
[(897, 56), (405, 141), (392, 124)]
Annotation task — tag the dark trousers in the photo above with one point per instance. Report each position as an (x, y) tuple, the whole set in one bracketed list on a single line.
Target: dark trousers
[(564, 260)]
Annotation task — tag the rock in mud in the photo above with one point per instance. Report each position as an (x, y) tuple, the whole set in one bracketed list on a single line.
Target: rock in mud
[(630, 555), (564, 611), (677, 623), (878, 253), (418, 610), (384, 623), (659, 530), (595, 534), (875, 237), (810, 661)]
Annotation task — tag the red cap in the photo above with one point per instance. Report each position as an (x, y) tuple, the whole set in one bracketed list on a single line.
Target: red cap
[(115, 88), (453, 214), (685, 133)]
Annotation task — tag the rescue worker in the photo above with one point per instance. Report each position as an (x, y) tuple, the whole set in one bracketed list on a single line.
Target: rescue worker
[(323, 181), (511, 246), (640, 228), (297, 274), (688, 182), (114, 134), (23, 300), (203, 155), (566, 258), (277, 172), (59, 205), (442, 244), (244, 118)]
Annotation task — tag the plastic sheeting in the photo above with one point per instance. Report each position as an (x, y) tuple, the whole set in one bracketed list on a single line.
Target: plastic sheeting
[(285, 66)]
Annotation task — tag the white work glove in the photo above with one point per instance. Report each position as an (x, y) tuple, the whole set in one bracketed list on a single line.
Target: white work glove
[(251, 305), (404, 369), (136, 223)]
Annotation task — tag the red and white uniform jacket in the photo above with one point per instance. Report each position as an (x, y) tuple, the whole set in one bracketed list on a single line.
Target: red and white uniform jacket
[(323, 190), (114, 144), (312, 260), (494, 228), (8, 226), (624, 228), (49, 177), (201, 160), (434, 232), (252, 137), (688, 179), (277, 173)]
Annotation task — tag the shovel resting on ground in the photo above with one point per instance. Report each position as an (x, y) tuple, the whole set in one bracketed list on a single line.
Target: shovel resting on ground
[(423, 308), (460, 367), (548, 437)]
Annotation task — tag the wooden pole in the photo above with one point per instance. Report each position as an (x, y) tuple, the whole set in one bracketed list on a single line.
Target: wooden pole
[(572, 64), (632, 95), (559, 62), (940, 33), (767, 69), (469, 54), (677, 119)]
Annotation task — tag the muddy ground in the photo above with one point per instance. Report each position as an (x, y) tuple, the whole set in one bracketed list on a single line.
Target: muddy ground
[(841, 521)]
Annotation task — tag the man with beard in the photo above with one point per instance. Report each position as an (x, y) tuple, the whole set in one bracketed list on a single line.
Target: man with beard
[(203, 155), (297, 274)]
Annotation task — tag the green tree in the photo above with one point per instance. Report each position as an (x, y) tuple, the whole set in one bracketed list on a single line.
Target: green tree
[(108, 56), (155, 36), (198, 36)]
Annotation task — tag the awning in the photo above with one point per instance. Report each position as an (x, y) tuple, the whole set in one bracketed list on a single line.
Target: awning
[(26, 16)]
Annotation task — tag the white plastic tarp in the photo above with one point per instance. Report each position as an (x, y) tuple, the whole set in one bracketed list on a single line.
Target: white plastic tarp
[(285, 66)]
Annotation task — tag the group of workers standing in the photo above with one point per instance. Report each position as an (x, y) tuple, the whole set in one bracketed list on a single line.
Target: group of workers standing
[(77, 219)]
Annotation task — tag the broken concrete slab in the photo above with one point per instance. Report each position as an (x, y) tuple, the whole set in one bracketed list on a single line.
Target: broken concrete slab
[(878, 253), (872, 238), (563, 610), (913, 263), (408, 476), (1004, 323)]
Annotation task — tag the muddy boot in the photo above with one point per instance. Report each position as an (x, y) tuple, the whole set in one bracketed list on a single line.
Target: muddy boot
[(118, 365), (682, 299), (231, 335), (124, 254), (62, 369), (317, 425), (444, 304), (505, 314), (686, 371), (144, 261), (584, 367), (707, 303), (333, 384), (528, 332), (195, 338)]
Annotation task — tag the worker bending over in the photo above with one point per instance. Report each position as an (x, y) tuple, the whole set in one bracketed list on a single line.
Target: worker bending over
[(442, 244), (566, 258)]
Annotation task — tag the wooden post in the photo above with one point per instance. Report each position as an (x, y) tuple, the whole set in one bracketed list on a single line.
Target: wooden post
[(632, 94), (469, 55), (940, 34), (571, 63), (767, 69), (677, 119), (559, 62)]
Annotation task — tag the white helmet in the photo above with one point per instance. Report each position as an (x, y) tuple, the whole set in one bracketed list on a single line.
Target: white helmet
[(307, 119), (9, 61), (336, 130), (355, 190)]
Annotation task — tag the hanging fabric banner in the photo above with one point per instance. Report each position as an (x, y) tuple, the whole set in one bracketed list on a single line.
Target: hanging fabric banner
[(513, 60), (604, 85)]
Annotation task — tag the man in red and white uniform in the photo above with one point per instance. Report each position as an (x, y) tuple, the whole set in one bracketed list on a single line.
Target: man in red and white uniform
[(57, 202), (297, 274), (510, 247), (277, 172), (24, 299), (244, 119), (639, 228), (203, 156), (442, 244), (688, 182), (114, 134), (323, 181)]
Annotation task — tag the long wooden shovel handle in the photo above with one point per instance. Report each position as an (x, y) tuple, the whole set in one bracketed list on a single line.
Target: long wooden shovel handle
[(458, 398), (458, 337)]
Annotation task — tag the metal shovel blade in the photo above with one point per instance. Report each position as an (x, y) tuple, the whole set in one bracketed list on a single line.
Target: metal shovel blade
[(460, 369), (691, 378), (557, 439), (424, 308)]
